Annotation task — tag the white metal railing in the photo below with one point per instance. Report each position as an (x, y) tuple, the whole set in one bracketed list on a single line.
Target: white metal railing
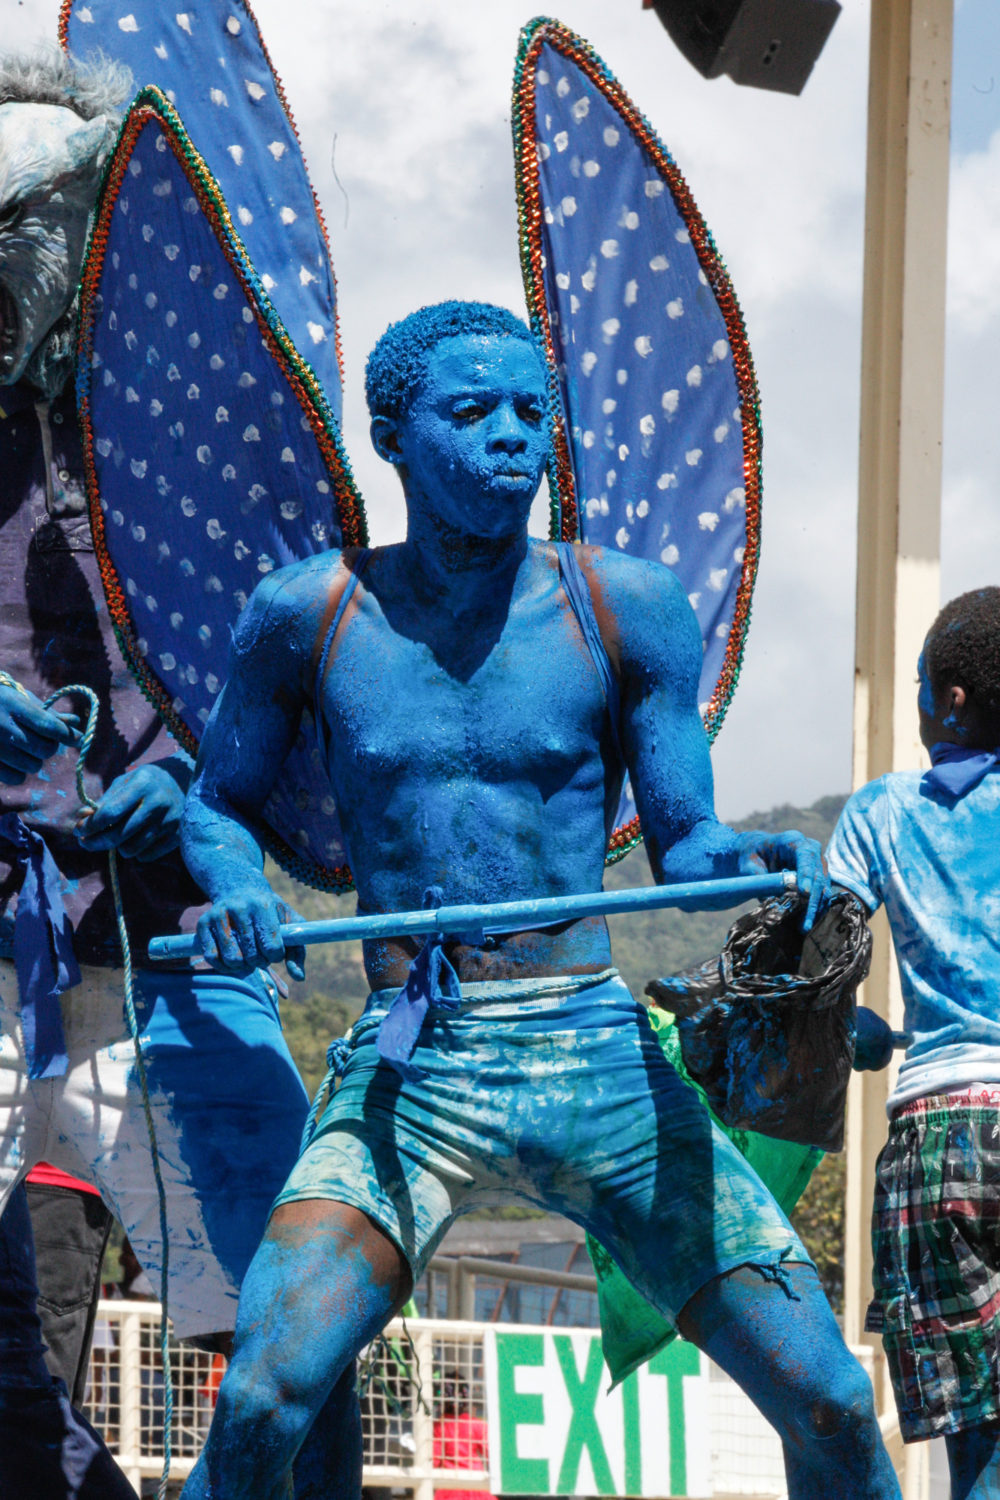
[(418, 1376)]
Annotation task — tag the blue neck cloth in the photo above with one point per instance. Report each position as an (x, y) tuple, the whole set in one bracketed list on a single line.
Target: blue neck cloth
[(43, 948), (431, 980), (955, 770)]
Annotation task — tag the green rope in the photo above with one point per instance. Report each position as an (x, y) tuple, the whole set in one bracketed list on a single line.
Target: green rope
[(87, 801)]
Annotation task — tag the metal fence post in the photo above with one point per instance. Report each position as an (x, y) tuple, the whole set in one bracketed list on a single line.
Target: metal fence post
[(423, 1415), (130, 1398)]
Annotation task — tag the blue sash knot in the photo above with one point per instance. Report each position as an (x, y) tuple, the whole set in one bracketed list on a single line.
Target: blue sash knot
[(431, 981)]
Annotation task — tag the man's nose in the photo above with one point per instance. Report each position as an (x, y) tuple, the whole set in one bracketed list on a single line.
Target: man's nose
[(506, 432)]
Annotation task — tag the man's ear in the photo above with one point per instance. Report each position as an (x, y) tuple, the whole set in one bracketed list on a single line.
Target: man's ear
[(385, 439), (957, 700)]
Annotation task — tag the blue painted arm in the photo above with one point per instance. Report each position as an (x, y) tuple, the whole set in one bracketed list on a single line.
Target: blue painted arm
[(646, 618), (245, 743)]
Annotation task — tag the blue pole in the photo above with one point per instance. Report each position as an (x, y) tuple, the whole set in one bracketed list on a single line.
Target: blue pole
[(515, 916)]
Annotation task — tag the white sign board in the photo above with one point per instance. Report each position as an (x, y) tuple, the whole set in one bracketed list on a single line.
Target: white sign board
[(554, 1428)]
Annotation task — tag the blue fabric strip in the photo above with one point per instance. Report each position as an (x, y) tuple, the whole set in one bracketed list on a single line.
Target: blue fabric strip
[(43, 948), (955, 770), (431, 981), (578, 593)]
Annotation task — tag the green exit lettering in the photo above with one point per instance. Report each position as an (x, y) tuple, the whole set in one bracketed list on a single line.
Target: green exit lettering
[(519, 1409)]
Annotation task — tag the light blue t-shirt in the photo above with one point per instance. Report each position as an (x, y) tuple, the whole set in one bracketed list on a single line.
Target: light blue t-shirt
[(935, 863)]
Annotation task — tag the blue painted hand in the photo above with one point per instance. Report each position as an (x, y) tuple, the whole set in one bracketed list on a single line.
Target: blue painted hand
[(873, 1047), (241, 933), (29, 734), (140, 813), (788, 851)]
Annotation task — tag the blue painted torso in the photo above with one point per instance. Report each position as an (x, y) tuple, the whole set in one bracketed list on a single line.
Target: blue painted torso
[(477, 757), (935, 864)]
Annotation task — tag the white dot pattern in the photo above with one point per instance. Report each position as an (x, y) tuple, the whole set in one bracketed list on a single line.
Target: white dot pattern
[(645, 363), (209, 61), (208, 480)]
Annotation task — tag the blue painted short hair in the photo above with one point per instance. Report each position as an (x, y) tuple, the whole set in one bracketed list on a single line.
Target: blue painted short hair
[(398, 361), (963, 649)]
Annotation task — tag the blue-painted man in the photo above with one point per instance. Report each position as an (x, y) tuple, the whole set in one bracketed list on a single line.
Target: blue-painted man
[(927, 847), (479, 695)]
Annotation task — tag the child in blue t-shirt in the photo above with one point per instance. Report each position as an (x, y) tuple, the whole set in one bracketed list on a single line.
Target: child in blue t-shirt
[(928, 847)]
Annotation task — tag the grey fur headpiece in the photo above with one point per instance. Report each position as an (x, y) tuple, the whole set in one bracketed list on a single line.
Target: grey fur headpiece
[(92, 86)]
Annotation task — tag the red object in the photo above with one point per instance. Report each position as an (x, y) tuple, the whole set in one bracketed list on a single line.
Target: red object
[(52, 1177), (210, 1389), (461, 1443)]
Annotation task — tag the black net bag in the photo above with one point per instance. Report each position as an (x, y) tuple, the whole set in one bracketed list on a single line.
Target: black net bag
[(768, 1027)]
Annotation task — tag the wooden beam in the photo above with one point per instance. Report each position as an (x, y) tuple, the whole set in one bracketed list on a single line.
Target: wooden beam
[(899, 500)]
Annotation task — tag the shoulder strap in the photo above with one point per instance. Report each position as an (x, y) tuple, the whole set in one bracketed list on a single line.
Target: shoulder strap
[(355, 568), (577, 591)]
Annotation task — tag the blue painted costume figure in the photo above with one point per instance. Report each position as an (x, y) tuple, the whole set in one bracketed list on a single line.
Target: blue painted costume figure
[(472, 746), (226, 1096), (926, 846)]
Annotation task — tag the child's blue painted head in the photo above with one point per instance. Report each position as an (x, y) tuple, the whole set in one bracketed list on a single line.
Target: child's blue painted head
[(959, 672)]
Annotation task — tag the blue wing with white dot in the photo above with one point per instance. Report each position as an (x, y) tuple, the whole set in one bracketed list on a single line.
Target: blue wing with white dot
[(209, 59), (657, 432), (211, 452)]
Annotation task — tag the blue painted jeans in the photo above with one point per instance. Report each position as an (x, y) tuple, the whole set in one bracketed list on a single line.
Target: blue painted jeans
[(48, 1451), (555, 1092), (228, 1105)]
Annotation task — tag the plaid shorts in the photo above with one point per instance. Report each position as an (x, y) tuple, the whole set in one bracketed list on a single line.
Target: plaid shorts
[(936, 1244)]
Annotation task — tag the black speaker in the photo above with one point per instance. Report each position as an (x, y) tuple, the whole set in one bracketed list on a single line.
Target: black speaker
[(768, 44)]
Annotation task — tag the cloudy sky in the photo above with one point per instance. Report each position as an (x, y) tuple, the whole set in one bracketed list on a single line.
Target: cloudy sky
[(403, 109)]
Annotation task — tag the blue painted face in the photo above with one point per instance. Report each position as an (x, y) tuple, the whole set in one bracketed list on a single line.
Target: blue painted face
[(473, 443)]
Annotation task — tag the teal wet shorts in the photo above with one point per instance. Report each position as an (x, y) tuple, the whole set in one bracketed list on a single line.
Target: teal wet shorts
[(552, 1092)]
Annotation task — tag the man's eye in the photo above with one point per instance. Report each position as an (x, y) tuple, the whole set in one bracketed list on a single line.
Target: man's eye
[(533, 413), (468, 412)]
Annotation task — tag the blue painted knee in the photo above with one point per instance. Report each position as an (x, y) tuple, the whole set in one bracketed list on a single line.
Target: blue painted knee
[(843, 1408)]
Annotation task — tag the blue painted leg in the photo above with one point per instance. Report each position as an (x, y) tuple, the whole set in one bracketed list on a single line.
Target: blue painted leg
[(328, 1466), (974, 1463), (777, 1337), (324, 1282)]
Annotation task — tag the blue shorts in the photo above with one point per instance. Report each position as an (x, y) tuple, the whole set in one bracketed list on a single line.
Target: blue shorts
[(553, 1092)]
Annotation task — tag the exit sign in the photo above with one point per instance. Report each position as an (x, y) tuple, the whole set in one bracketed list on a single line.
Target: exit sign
[(555, 1429)]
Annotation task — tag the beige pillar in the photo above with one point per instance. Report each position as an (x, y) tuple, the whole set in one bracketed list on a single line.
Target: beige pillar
[(899, 507)]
